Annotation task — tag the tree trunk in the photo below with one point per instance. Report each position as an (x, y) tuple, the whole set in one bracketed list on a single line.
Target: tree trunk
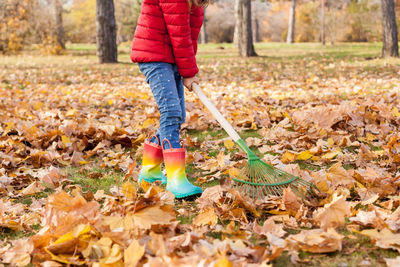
[(203, 31), (60, 33), (323, 22), (292, 21), (390, 39), (256, 31), (244, 34), (238, 25), (106, 31)]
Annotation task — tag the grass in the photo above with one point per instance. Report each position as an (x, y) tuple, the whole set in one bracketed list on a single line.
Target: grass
[(103, 179), (9, 234)]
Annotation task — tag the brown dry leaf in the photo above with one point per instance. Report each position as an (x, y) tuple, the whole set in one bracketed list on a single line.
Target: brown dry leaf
[(50, 264), (157, 245), (19, 254), (384, 238), (393, 221), (150, 187), (131, 171), (316, 241), (290, 200), (52, 178), (269, 226), (395, 262), (115, 258), (206, 217), (368, 218), (156, 215), (210, 196), (133, 254), (367, 196), (339, 176), (333, 214), (33, 188), (64, 211), (77, 158), (118, 223)]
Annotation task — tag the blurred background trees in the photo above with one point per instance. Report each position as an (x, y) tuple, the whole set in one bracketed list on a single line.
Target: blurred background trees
[(51, 24)]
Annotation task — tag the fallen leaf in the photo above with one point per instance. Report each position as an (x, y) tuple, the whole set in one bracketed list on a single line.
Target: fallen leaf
[(206, 217), (223, 262), (19, 254), (290, 200), (339, 176), (269, 226), (129, 191), (384, 238), (333, 214), (229, 144), (316, 241), (33, 188), (133, 254), (395, 262), (156, 215)]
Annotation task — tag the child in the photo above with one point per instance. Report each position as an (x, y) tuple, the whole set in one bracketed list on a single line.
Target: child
[(165, 46)]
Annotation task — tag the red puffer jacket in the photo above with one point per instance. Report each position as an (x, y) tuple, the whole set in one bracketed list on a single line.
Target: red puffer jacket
[(167, 31)]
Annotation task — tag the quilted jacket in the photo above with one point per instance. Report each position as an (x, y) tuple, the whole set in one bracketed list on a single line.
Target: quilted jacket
[(167, 31)]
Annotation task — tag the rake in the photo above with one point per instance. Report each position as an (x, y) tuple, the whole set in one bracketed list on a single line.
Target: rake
[(258, 179)]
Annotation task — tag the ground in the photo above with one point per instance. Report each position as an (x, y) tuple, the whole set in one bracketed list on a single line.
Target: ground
[(329, 114)]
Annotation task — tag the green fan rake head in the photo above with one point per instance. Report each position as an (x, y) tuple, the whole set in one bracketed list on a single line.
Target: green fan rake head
[(258, 179)]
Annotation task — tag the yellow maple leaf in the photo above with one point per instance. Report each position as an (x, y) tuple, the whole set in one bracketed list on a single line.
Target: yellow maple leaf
[(305, 155), (332, 154), (223, 262), (129, 191), (229, 144), (71, 113), (288, 157), (65, 140)]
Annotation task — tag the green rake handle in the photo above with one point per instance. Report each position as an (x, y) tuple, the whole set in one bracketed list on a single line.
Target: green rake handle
[(224, 123)]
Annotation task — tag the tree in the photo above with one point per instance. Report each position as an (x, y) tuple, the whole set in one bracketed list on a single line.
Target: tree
[(106, 31), (292, 21), (323, 22), (60, 33), (243, 28), (390, 38), (14, 25), (80, 21), (203, 32), (256, 31)]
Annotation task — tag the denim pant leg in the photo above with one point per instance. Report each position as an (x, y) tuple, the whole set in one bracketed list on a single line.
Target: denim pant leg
[(161, 78), (181, 92)]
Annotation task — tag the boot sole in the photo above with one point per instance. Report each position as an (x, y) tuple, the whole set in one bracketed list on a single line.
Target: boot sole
[(191, 194), (151, 180)]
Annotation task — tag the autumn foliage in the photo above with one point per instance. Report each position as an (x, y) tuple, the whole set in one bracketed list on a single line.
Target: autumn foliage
[(333, 122)]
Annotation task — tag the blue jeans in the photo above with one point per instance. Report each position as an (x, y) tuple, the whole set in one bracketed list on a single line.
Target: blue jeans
[(167, 87)]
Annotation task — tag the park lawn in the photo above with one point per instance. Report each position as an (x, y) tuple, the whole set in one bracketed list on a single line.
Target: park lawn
[(277, 63)]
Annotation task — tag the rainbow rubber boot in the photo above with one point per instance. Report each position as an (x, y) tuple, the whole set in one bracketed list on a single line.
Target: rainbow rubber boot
[(151, 163), (177, 182)]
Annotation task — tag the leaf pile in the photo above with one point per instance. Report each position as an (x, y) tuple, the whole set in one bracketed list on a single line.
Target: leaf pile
[(337, 129)]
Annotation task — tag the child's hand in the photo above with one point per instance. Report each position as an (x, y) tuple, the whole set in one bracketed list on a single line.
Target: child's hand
[(188, 82)]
